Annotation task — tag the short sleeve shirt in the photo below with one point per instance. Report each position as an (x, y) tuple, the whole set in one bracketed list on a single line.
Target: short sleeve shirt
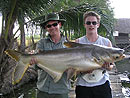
[(45, 81)]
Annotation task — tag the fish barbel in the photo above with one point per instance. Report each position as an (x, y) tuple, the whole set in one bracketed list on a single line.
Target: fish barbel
[(81, 57)]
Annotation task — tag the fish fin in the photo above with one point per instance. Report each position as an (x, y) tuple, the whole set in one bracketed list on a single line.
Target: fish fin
[(54, 74), (73, 44), (13, 54), (19, 72), (70, 73)]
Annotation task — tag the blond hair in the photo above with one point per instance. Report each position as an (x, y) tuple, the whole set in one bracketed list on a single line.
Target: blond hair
[(91, 13)]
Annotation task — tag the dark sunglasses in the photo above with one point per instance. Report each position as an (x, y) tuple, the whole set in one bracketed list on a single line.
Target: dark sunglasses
[(49, 25), (89, 22)]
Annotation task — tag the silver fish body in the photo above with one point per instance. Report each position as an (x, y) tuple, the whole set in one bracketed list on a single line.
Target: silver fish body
[(80, 57)]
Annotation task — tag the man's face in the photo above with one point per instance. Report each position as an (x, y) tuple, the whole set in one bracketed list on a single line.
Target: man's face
[(53, 27), (91, 24)]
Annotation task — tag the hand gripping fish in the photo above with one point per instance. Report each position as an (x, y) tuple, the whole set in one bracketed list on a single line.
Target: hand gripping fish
[(80, 57)]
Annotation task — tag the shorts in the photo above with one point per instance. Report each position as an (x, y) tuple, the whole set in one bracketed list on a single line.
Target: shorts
[(101, 91)]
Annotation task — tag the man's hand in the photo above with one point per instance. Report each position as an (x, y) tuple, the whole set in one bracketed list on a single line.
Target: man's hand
[(85, 72), (108, 66), (33, 61)]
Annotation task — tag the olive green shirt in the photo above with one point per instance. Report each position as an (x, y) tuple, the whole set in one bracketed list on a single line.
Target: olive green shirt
[(45, 81)]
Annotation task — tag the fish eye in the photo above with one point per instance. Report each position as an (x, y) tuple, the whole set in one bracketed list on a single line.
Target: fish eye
[(98, 59), (116, 57)]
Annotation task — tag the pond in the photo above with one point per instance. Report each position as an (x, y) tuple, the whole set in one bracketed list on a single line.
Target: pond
[(123, 65)]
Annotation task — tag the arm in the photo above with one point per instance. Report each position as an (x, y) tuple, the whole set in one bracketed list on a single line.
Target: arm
[(77, 40), (39, 48)]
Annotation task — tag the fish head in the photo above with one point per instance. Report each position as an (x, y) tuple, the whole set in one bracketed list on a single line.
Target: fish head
[(98, 53), (107, 54), (116, 54)]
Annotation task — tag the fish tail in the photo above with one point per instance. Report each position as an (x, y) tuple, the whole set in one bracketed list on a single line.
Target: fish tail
[(20, 68), (19, 72)]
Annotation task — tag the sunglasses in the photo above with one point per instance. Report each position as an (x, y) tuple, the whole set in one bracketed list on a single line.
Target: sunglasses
[(49, 25), (89, 22)]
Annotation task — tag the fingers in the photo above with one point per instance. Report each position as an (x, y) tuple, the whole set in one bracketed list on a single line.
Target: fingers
[(108, 66), (33, 61), (87, 72)]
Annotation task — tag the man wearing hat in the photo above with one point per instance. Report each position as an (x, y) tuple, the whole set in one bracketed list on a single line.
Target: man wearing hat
[(47, 88)]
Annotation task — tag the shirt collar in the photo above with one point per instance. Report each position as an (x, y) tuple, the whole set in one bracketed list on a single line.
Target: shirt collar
[(49, 38)]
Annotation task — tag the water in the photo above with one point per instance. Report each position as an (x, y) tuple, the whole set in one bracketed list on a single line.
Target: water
[(123, 65)]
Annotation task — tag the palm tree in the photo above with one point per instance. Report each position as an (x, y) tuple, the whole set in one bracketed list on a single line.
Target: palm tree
[(12, 11), (74, 18)]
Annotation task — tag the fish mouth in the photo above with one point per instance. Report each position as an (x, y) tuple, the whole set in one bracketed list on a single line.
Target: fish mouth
[(114, 58), (117, 58), (123, 56), (127, 57)]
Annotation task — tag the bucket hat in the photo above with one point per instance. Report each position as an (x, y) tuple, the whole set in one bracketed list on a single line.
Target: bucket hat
[(51, 17)]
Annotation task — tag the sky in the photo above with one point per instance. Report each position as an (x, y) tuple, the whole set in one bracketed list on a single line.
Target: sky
[(121, 8)]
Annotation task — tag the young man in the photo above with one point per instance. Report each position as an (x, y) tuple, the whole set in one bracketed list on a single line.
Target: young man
[(88, 86), (47, 88)]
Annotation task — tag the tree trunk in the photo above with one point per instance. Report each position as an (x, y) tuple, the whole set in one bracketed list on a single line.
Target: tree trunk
[(22, 33), (22, 39)]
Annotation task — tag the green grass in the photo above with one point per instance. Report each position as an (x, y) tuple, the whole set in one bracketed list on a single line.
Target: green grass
[(29, 39)]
